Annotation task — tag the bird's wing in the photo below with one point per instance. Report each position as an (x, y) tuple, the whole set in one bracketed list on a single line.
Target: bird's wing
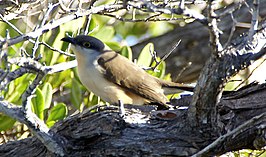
[(131, 77)]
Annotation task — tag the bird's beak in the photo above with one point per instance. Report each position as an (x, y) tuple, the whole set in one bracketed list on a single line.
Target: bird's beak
[(69, 40)]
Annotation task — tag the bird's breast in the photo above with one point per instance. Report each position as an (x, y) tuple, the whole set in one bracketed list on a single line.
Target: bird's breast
[(92, 77)]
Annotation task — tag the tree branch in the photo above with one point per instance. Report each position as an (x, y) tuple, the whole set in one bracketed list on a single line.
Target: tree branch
[(217, 72), (56, 23), (104, 132), (24, 114), (233, 134)]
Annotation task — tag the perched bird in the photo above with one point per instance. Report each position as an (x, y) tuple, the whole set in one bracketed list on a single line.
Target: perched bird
[(115, 78)]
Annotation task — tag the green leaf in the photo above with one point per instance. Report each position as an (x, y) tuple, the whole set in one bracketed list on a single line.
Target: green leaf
[(145, 57), (47, 91), (127, 52), (104, 34), (19, 87), (93, 24), (93, 100), (76, 94), (6, 122), (167, 77), (114, 46), (38, 104), (160, 69), (50, 123), (156, 29), (58, 112), (58, 78)]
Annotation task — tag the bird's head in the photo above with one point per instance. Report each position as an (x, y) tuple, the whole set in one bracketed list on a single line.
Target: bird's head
[(85, 44)]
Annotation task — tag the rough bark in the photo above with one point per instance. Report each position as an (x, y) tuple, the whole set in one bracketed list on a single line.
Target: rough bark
[(141, 133)]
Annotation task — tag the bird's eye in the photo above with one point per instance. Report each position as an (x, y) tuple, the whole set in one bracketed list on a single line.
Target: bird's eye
[(87, 44)]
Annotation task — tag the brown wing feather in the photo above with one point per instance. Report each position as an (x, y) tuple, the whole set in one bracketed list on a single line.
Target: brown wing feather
[(145, 85)]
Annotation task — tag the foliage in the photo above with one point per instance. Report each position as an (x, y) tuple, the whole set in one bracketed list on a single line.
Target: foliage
[(65, 86)]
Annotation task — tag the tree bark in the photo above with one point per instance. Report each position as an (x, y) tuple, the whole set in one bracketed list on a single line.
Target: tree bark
[(157, 133)]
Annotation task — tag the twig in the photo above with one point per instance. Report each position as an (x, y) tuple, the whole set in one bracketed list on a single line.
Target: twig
[(166, 55), (172, 50), (10, 24), (48, 12), (250, 74), (182, 10), (61, 66), (232, 31), (231, 135), (57, 50), (230, 9), (35, 48), (30, 66), (25, 115), (153, 16), (65, 8), (165, 10), (214, 32), (31, 89), (35, 67), (37, 126), (12, 111), (56, 23), (87, 24), (41, 131), (182, 70), (7, 77), (150, 18), (154, 57), (254, 20), (36, 43), (14, 27)]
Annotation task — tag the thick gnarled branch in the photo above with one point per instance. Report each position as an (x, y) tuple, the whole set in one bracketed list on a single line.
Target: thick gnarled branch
[(105, 132)]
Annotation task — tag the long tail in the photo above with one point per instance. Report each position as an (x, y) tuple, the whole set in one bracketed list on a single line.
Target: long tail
[(172, 87)]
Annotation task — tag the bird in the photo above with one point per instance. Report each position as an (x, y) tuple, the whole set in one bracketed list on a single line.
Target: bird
[(115, 78)]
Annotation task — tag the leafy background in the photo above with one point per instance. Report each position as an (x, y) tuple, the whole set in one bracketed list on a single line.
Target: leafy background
[(62, 94)]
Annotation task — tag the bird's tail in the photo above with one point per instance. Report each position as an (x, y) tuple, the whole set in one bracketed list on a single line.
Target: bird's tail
[(172, 87)]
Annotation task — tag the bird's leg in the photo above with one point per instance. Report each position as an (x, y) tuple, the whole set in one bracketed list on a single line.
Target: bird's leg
[(121, 108)]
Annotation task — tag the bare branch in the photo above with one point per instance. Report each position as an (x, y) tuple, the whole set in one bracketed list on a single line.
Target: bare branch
[(56, 23), (56, 50), (230, 9), (214, 31), (166, 55), (11, 25), (232, 31), (41, 131), (166, 10), (255, 17), (150, 18), (61, 66), (250, 74), (12, 111), (216, 73), (7, 77), (247, 125)]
